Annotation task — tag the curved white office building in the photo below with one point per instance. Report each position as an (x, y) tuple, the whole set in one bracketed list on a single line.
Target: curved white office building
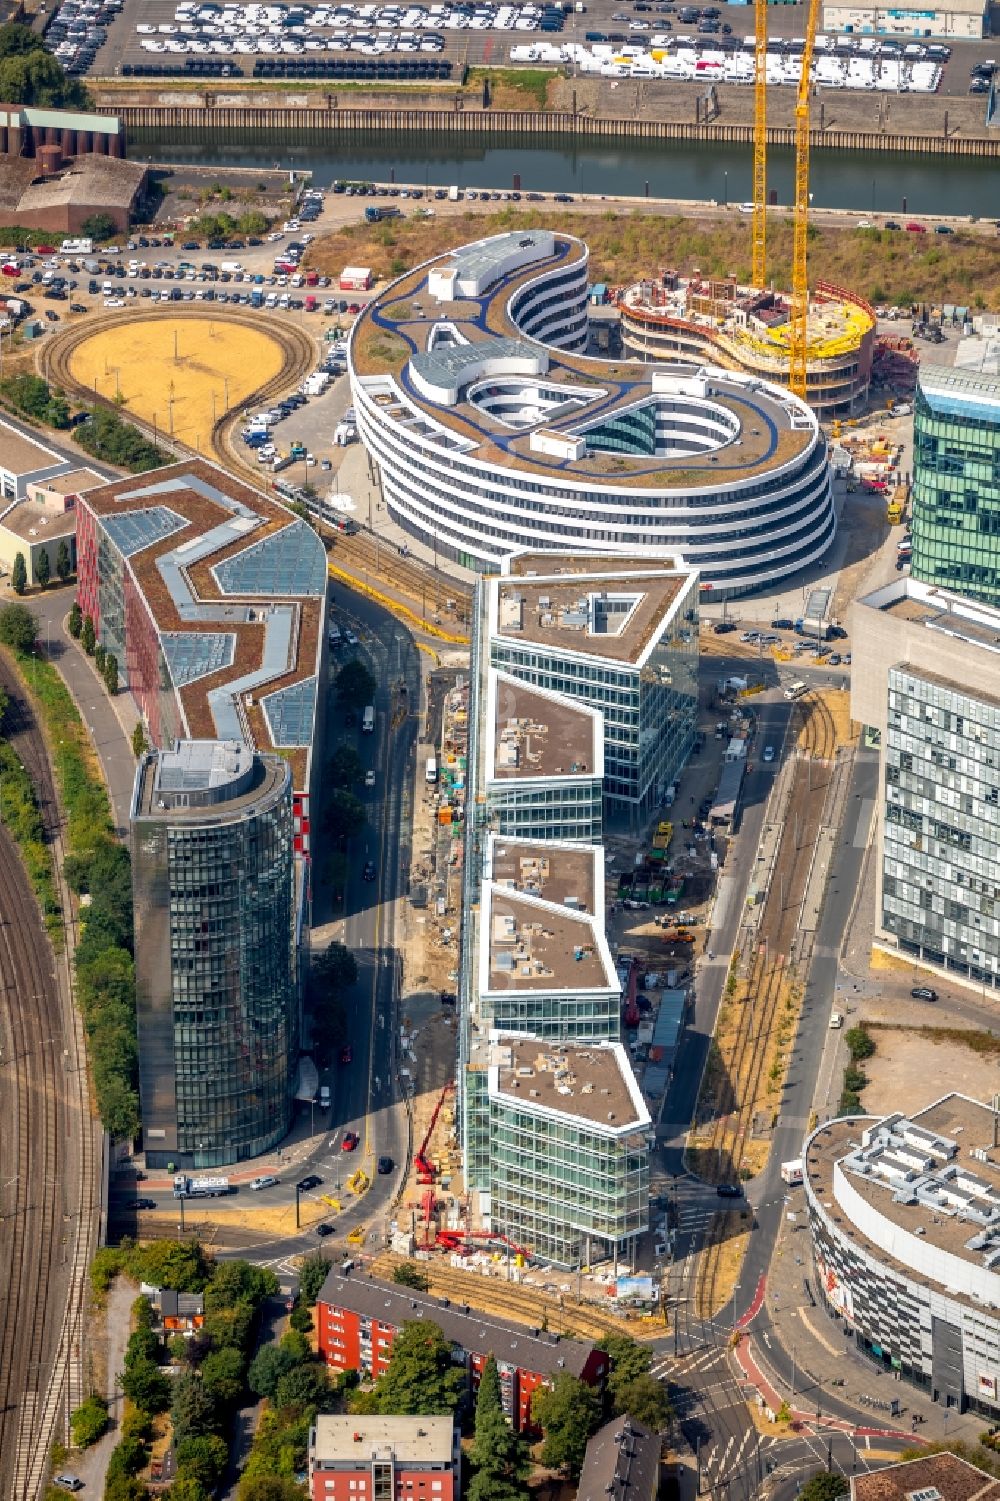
[(905, 1219), (493, 431)]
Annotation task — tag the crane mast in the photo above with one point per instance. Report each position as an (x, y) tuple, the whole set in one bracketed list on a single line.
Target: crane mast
[(758, 273), (800, 232)]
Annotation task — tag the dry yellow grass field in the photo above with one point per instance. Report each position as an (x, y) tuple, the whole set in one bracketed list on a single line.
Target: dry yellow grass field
[(179, 372)]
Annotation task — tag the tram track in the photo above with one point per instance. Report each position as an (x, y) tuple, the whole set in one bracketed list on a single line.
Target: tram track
[(49, 1203)]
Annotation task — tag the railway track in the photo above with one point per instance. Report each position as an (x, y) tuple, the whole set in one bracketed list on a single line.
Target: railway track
[(49, 1185)]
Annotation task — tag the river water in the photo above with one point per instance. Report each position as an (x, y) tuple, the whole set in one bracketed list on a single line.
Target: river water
[(890, 182)]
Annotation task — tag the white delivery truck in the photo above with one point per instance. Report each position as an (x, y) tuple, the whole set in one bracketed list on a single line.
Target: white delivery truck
[(230, 266), (368, 720), (431, 770), (791, 1172), (200, 1188)]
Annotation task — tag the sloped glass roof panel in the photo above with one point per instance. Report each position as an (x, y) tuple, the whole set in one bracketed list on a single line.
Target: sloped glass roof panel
[(290, 712), (291, 561), (194, 654), (134, 530)]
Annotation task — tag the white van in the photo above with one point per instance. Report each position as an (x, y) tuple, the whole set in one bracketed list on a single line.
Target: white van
[(431, 770), (230, 266), (368, 720), (796, 690)]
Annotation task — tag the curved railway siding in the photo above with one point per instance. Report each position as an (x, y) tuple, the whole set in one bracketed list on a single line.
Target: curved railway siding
[(48, 1160)]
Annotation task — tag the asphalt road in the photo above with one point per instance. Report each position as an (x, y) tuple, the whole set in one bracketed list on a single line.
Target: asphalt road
[(365, 1097)]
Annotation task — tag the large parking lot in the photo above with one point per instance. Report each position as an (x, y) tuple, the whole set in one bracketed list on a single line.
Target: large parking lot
[(433, 41)]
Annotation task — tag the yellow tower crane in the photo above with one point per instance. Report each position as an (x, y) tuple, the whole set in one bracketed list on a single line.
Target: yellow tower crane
[(800, 233), (758, 273)]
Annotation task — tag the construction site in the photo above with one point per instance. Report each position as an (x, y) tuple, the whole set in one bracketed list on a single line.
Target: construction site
[(748, 328)]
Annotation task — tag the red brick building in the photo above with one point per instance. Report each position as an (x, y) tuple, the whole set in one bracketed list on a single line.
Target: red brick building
[(384, 1458), (359, 1318)]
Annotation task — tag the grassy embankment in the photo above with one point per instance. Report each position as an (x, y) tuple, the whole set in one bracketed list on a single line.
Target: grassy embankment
[(882, 265)]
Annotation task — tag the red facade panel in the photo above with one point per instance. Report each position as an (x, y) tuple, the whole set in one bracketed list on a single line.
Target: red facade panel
[(86, 564)]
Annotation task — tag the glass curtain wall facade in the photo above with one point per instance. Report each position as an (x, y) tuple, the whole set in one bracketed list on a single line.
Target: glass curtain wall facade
[(650, 712), (956, 483), (566, 810), (566, 1191), (217, 1003), (941, 862)]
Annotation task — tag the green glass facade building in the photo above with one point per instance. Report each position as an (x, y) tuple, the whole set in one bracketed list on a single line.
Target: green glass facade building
[(956, 481), (213, 888)]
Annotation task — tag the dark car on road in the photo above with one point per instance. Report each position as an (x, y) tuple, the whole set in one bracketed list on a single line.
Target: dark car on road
[(369, 870), (729, 1191), (385, 1165), (312, 1180), (324, 1229), (724, 627), (145, 1203)]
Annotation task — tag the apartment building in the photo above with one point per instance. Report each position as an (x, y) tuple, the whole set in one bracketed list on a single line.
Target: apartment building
[(384, 1458), (358, 1317)]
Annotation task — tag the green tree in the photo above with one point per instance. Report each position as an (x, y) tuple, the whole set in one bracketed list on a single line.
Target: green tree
[(192, 1409), (89, 1421), (345, 767), (43, 569), (119, 1487), (100, 657), (303, 1386), (568, 1413), (407, 1274), (32, 396), (75, 619), (99, 227), (628, 1360), (18, 627), (355, 684), (231, 1326), (64, 565), (111, 673), (420, 1378), (336, 968), (146, 1386), (313, 1272), (88, 636), (301, 1320), (203, 1459), (267, 1368), (187, 1488), (140, 745), (269, 1488), (106, 435), (824, 1487), (19, 574), (295, 1345), (500, 1455), (646, 1400), (344, 815), (222, 1373), (239, 1282)]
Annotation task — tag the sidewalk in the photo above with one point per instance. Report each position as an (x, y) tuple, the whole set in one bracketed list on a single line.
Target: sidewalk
[(110, 721)]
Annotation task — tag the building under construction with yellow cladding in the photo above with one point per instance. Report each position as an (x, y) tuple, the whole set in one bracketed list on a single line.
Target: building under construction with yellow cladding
[(744, 328)]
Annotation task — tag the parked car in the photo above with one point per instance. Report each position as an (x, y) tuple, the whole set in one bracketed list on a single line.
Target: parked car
[(923, 993)]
